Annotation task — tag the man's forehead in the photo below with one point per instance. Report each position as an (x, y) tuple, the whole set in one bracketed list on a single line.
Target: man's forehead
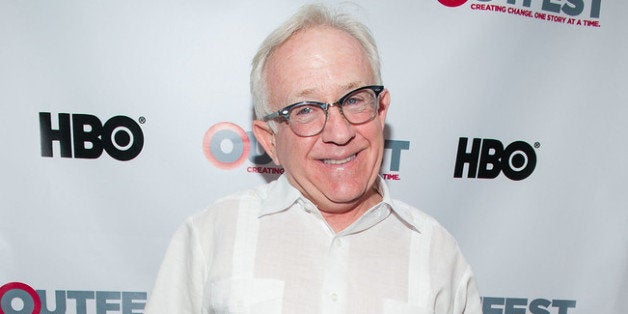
[(319, 64), (313, 44)]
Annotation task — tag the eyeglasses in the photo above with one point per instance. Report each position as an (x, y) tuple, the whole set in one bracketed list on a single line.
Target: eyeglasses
[(308, 118)]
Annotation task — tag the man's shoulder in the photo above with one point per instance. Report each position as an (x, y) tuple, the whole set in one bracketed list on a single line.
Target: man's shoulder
[(417, 217), (227, 207), (254, 194), (425, 224)]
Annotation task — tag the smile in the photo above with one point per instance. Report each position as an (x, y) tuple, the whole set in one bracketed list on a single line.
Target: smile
[(338, 161)]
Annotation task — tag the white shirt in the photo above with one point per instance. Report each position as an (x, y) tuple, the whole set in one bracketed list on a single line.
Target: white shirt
[(269, 250)]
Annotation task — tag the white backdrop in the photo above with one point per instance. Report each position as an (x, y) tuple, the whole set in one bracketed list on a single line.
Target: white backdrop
[(86, 235)]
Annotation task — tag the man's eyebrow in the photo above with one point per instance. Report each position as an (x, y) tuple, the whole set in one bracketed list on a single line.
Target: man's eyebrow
[(305, 93), (345, 88), (353, 85)]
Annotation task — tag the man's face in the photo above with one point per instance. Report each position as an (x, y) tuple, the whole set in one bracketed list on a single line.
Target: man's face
[(337, 168)]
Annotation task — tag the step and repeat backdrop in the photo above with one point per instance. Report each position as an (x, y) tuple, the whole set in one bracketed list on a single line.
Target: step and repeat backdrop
[(122, 118)]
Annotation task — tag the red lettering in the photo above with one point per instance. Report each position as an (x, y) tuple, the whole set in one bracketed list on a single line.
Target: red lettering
[(389, 176)]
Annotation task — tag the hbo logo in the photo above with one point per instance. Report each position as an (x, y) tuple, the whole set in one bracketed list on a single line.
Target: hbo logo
[(488, 158), (87, 137)]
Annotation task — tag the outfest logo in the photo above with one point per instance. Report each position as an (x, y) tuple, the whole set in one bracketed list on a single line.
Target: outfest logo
[(21, 298), (452, 3), (227, 146), (583, 13), (501, 305)]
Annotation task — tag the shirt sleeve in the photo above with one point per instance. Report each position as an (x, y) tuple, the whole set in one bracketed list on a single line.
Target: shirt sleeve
[(453, 280), (179, 284), (467, 295)]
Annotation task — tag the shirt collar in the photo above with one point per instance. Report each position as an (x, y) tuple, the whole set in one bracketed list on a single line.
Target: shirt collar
[(281, 195), (278, 196), (402, 212)]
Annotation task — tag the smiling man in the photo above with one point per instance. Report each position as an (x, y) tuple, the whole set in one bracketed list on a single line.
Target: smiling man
[(335, 163), (326, 237)]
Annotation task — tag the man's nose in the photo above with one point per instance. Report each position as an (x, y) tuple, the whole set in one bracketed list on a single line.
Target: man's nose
[(337, 129)]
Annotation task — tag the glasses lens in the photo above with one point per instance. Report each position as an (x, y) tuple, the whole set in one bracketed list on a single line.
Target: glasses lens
[(360, 106), (307, 119)]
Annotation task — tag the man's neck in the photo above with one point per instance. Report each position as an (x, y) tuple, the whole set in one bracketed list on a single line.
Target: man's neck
[(340, 220)]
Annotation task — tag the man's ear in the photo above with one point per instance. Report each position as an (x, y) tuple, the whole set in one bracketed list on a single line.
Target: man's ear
[(266, 137), (384, 104)]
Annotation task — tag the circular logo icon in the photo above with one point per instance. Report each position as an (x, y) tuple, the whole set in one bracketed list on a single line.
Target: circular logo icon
[(452, 3), (17, 290), (226, 145)]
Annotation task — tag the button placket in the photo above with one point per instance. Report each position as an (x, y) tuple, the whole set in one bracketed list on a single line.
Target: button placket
[(333, 296), (335, 280)]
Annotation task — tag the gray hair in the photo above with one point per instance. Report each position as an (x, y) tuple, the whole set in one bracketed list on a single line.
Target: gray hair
[(308, 16)]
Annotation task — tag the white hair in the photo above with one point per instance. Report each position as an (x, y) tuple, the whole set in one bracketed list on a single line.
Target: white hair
[(309, 16)]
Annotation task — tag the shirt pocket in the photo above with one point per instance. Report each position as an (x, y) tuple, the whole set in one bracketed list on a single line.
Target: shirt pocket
[(391, 306), (244, 295)]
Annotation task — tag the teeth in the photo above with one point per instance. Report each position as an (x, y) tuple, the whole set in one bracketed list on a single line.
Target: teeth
[(338, 162)]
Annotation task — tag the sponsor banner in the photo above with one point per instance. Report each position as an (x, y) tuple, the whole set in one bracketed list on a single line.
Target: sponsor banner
[(487, 158), (120, 119), (18, 297), (570, 12), (493, 305), (85, 136)]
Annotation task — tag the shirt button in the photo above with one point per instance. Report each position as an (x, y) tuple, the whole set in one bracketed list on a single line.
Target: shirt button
[(239, 306), (333, 296)]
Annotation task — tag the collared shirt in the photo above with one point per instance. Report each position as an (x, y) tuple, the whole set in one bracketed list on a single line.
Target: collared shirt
[(269, 250)]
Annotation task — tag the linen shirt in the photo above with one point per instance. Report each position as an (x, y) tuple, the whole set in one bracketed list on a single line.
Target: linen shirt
[(269, 250)]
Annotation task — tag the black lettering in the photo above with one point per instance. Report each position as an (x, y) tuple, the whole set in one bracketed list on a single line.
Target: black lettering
[(83, 136), (48, 135), (470, 158), (122, 138), (520, 160), (487, 159)]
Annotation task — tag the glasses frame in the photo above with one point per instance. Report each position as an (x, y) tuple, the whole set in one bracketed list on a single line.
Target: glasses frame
[(284, 113)]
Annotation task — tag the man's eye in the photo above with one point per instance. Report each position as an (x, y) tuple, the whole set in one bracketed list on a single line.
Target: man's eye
[(305, 110), (354, 101)]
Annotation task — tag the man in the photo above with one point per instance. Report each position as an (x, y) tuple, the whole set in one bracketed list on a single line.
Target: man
[(326, 237)]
